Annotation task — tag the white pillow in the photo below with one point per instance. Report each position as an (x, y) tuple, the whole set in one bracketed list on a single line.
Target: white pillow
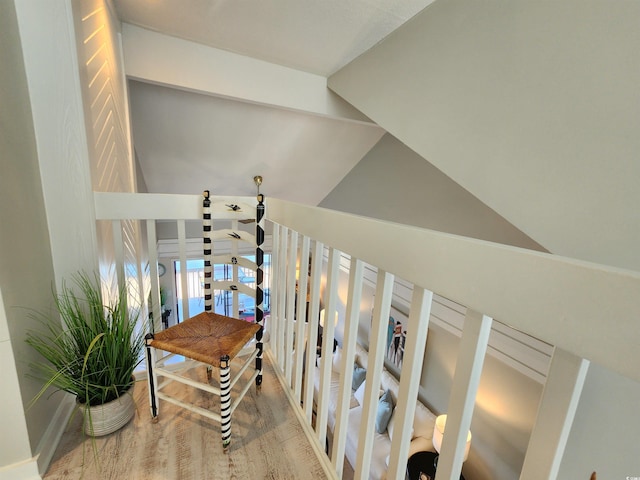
[(359, 393), (361, 356), (392, 425), (423, 422), (336, 360)]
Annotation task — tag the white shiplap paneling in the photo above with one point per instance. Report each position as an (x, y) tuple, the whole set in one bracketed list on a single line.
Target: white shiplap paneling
[(107, 122)]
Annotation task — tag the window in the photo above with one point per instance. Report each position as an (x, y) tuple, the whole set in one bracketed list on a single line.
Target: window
[(223, 299)]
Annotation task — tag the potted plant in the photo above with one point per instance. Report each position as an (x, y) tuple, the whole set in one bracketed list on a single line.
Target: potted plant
[(91, 352)]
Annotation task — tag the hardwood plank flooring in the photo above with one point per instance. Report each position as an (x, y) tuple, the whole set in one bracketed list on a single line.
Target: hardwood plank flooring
[(267, 441)]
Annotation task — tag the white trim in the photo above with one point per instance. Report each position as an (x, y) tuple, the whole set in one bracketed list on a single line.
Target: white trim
[(193, 247), (417, 330), (354, 298), (161, 59), (328, 334), (462, 398), (162, 206), (184, 270), (379, 321), (27, 470), (301, 315), (52, 435), (289, 314), (556, 412)]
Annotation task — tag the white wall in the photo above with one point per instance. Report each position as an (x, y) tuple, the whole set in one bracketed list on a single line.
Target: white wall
[(106, 113), (49, 230), (394, 183), (606, 429), (530, 106), (14, 449), (26, 264), (51, 65)]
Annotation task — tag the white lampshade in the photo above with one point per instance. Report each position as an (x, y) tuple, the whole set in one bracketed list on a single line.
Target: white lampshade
[(335, 320), (438, 433)]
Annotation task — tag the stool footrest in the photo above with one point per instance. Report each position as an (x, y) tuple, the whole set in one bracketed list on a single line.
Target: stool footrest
[(193, 408)]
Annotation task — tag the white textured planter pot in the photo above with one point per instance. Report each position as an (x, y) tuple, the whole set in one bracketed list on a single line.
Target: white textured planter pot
[(107, 418)]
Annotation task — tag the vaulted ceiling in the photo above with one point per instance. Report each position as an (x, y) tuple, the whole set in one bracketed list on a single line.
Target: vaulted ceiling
[(528, 108), (313, 36), (189, 137)]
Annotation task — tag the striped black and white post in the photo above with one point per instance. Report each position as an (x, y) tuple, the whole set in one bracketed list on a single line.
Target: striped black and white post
[(206, 236), (259, 277), (225, 400), (152, 378)]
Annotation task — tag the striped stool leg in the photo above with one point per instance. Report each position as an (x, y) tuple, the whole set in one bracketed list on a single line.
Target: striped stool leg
[(225, 400), (208, 268), (151, 377), (206, 247), (259, 291)]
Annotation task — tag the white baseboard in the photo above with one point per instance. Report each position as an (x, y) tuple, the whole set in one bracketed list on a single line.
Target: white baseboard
[(53, 434), (27, 470), (36, 466)]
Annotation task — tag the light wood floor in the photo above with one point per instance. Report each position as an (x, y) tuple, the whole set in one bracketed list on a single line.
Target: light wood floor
[(267, 442)]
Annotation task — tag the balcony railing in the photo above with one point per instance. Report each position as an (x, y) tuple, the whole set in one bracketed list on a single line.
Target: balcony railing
[(587, 312)]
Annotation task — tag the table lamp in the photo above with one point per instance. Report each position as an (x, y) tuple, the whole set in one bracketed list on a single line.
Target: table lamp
[(335, 320), (438, 433)]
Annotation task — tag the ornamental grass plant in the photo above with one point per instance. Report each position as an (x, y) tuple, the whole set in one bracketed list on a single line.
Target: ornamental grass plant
[(93, 348)]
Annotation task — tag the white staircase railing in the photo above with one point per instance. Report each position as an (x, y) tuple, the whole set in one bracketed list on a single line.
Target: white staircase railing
[(586, 311)]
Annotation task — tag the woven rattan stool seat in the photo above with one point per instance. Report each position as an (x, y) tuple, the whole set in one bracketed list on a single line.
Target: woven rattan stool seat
[(206, 337)]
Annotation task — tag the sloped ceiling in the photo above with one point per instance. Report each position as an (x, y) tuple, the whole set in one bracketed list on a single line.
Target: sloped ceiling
[(186, 141), (534, 109), (313, 36)]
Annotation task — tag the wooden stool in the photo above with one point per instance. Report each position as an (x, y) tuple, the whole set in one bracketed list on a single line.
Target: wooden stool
[(210, 339)]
